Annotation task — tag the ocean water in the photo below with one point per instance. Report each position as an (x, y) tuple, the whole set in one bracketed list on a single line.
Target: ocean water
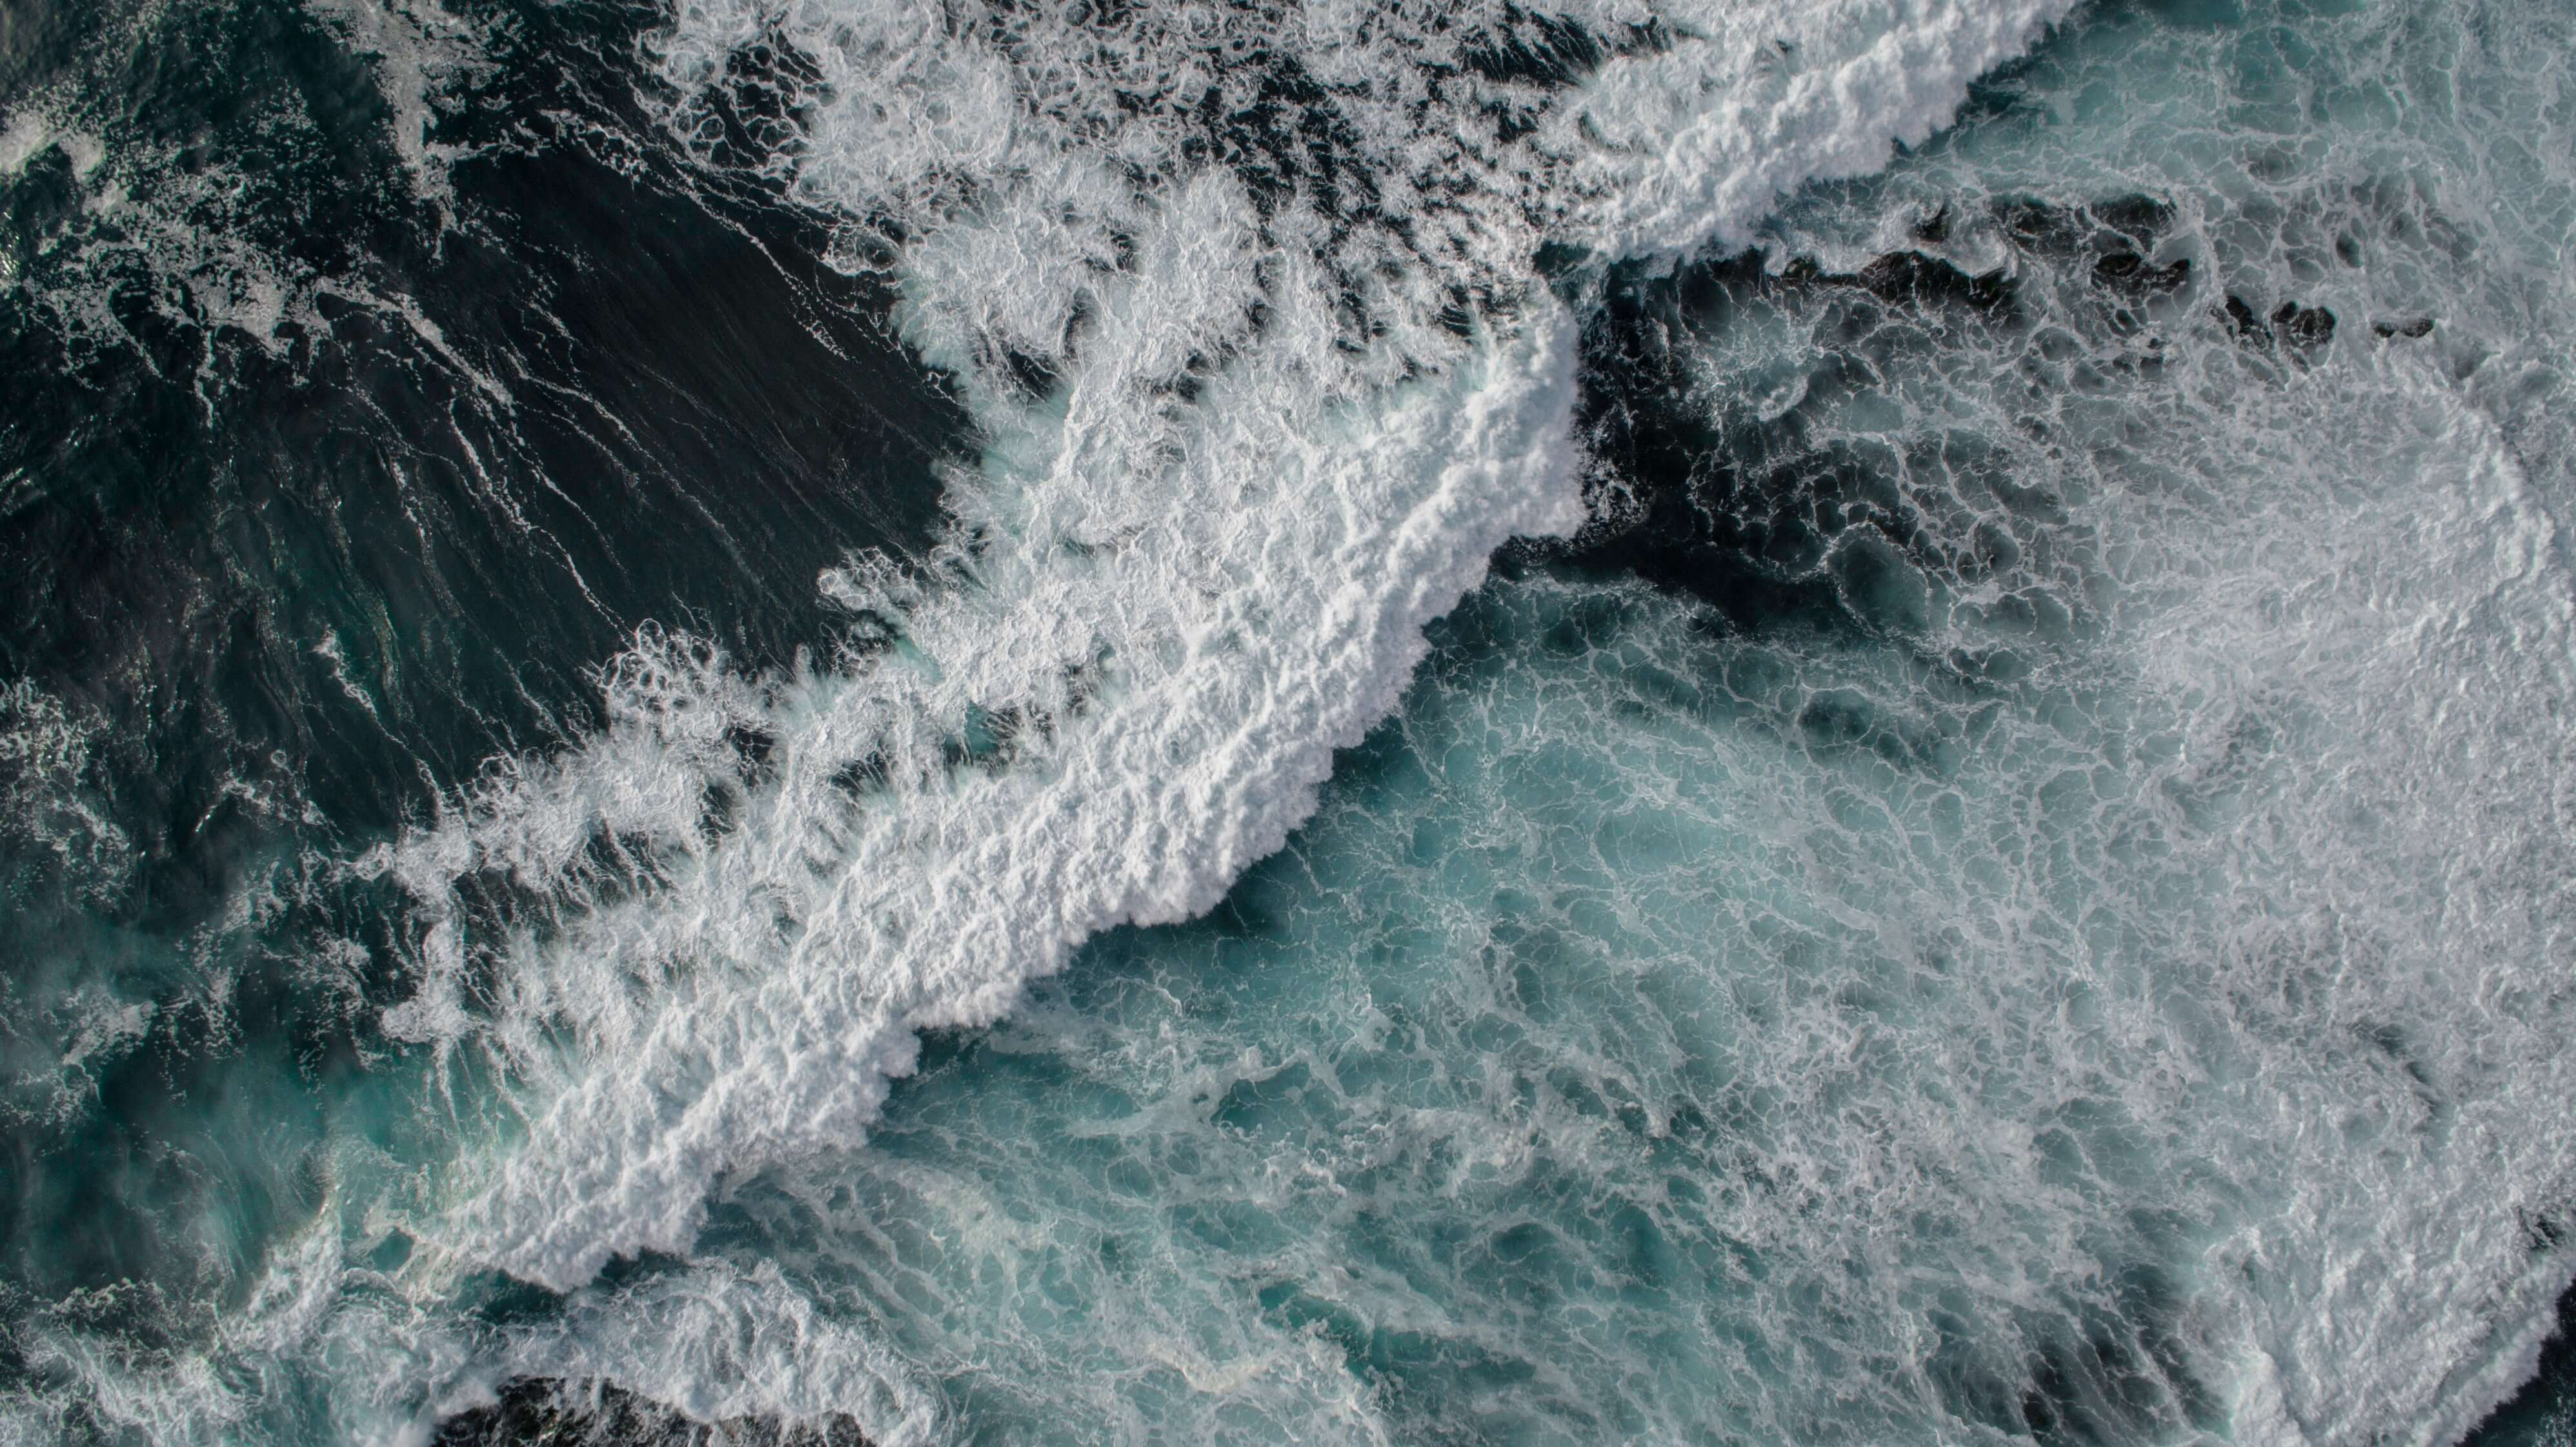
[(1351, 722)]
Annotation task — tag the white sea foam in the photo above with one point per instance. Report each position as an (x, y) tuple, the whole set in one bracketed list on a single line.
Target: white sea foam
[(754, 1005), (1181, 578), (1816, 1046), (186, 229), (2400, 882), (423, 55), (720, 1345), (2221, 910)]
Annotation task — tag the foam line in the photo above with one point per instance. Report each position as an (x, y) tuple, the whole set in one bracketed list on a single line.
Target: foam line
[(1189, 570)]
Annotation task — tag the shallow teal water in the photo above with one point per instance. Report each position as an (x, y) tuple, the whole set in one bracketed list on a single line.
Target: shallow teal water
[(1972, 976)]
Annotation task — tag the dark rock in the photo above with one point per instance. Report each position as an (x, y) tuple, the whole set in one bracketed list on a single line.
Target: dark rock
[(2240, 320), (2412, 327)]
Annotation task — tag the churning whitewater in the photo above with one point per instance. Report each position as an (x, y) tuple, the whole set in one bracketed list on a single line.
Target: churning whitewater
[(1284, 426), (1834, 722)]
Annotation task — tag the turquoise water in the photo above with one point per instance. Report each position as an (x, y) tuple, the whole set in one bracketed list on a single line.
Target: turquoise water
[(1526, 787)]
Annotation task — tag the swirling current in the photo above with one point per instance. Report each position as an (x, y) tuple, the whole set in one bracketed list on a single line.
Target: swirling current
[(1259, 721)]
